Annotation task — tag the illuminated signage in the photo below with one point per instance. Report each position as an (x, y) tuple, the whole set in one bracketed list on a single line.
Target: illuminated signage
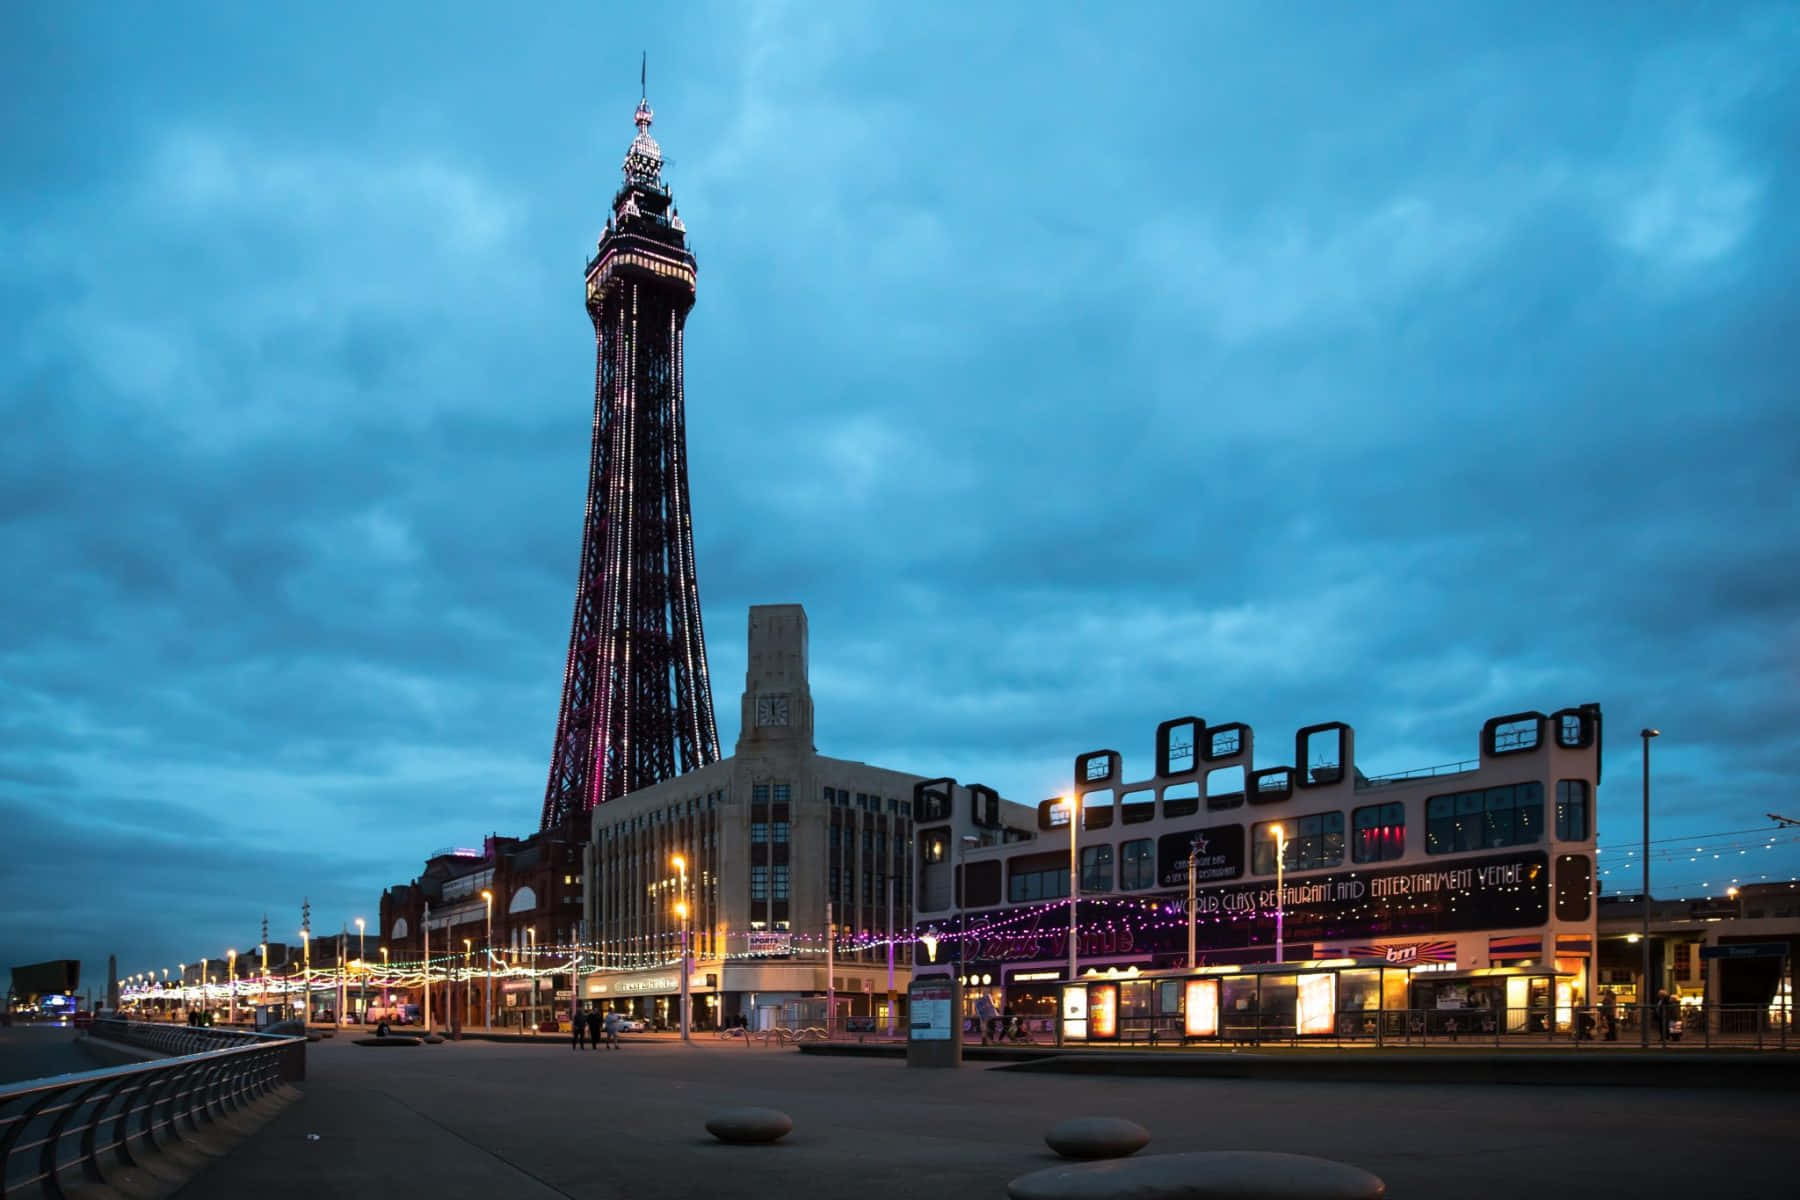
[(1034, 976), (1075, 1012), (928, 1009), (1316, 1004), (1218, 854), (1103, 1010), (1201, 1013)]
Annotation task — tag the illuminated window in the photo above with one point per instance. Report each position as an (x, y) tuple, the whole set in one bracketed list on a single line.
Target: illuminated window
[(1484, 820), (935, 846), (1380, 833), (1571, 810), (1137, 865), (759, 883), (1097, 868), (1312, 841)]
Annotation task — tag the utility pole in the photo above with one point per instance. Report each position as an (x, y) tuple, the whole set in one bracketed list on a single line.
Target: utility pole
[(830, 968), (426, 925)]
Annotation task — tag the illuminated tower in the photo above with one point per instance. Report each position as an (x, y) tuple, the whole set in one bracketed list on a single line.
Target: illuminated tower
[(637, 699)]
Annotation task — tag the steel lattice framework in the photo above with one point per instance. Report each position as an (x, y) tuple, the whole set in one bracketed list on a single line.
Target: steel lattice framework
[(637, 699)]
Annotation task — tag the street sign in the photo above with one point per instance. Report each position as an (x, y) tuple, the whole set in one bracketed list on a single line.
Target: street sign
[(1746, 950)]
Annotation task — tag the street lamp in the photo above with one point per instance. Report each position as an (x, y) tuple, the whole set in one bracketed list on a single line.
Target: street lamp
[(488, 1012), (1074, 882), (1644, 1009), (203, 981), (305, 977), (190, 1012), (362, 957), (1280, 905), (468, 977), (531, 949), (263, 949), (681, 910), (231, 982), (1193, 869)]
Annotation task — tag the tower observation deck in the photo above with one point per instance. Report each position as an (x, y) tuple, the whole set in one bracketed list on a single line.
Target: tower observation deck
[(637, 698)]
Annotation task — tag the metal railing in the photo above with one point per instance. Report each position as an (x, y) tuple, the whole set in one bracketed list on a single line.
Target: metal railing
[(73, 1129)]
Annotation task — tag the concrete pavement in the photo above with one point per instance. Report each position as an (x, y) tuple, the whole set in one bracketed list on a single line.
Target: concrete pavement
[(492, 1119)]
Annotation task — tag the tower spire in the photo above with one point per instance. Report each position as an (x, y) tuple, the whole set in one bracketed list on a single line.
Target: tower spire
[(644, 76)]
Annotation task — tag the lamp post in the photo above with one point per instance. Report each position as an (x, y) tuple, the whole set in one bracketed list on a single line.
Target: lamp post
[(305, 977), (362, 956), (204, 963), (1193, 868), (487, 1015), (892, 999), (1074, 883), (263, 949), (190, 1012), (231, 981), (531, 953), (681, 910), (1645, 1011), (468, 978), (1280, 900), (962, 900)]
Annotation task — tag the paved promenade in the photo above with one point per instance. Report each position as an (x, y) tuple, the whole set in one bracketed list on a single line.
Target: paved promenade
[(496, 1119)]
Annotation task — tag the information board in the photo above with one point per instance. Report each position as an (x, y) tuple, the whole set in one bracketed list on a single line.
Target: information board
[(929, 1016)]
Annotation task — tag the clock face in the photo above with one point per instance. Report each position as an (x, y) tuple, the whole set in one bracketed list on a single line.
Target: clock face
[(771, 710)]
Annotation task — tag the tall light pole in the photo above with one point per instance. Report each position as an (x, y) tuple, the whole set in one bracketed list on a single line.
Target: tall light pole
[(1074, 884), (892, 999), (362, 956), (425, 934), (488, 1013), (387, 990), (231, 981), (1280, 899), (531, 953), (830, 967), (962, 900), (263, 949), (468, 977), (1645, 1012), (203, 974), (1193, 869), (681, 910), (305, 977), (189, 1011)]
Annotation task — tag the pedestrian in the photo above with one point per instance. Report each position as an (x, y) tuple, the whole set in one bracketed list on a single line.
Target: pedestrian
[(594, 1021), (1609, 1014), (1659, 1012), (985, 1013), (612, 1030), (381, 1030), (578, 1027)]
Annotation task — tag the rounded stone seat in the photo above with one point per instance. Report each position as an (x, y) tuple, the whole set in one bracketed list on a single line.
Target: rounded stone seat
[(1097, 1137), (749, 1126), (1205, 1175), (387, 1041), (433, 1040)]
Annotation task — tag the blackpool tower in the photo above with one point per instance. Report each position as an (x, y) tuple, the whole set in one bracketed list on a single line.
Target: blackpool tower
[(637, 699)]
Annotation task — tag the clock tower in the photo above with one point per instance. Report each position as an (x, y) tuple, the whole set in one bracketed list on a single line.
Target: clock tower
[(777, 706)]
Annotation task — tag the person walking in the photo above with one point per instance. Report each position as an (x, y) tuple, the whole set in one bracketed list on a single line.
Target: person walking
[(986, 1014), (1659, 1012), (1609, 1014), (612, 1030), (593, 1027), (578, 1029)]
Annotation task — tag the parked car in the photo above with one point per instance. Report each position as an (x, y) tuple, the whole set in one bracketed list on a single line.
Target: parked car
[(83, 1018), (632, 1024)]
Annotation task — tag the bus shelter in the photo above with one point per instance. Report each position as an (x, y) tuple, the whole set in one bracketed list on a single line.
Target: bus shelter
[(1339, 998)]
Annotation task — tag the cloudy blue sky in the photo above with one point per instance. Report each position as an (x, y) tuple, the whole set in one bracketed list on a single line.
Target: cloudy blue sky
[(1075, 367)]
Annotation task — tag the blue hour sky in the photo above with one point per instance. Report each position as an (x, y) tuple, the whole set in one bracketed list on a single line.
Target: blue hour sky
[(1076, 367)]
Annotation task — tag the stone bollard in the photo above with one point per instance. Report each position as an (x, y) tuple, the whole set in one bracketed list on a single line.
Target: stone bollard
[(1097, 1137), (1206, 1175), (749, 1126)]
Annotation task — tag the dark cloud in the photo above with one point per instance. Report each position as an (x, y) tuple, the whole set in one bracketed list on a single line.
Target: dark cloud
[(1404, 368)]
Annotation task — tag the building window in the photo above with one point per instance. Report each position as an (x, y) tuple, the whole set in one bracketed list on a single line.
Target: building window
[(1137, 865), (759, 793), (1097, 868), (781, 829), (781, 882), (1312, 841), (781, 793), (1571, 810), (1037, 877), (1380, 832), (937, 844), (1485, 820), (759, 883), (759, 832)]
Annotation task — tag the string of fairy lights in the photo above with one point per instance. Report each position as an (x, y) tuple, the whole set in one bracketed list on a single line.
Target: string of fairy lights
[(1726, 860)]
